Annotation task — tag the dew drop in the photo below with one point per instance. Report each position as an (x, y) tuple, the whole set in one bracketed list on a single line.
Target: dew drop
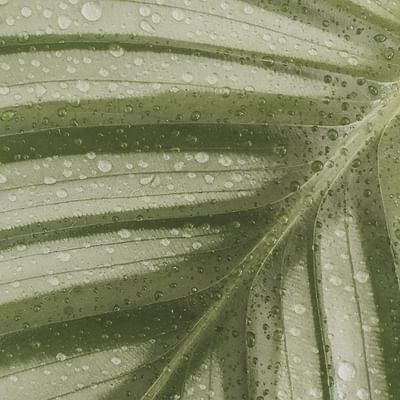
[(299, 309), (250, 339), (7, 115), (26, 12), (144, 11), (158, 295), (225, 161), (196, 115), (333, 134), (201, 157), (104, 165), (187, 77), (379, 38), (362, 394), (49, 180), (53, 281), (64, 257), (117, 51), (64, 22), (373, 90), (346, 371), (61, 357), (362, 276), (116, 360), (91, 11), (178, 15), (124, 233), (317, 166)]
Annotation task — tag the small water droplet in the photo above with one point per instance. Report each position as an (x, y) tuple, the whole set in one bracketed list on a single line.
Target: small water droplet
[(61, 357), (317, 166), (116, 361), (64, 22), (201, 157), (380, 38), (373, 90), (26, 12), (124, 233), (299, 309), (333, 134), (250, 339)]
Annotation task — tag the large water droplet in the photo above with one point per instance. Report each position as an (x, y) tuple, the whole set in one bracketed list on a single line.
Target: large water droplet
[(346, 371), (91, 11), (104, 166)]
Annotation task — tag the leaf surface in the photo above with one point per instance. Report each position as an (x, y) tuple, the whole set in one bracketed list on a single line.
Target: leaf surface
[(199, 200)]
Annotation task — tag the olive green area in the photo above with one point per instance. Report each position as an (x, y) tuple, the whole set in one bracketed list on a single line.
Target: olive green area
[(199, 200)]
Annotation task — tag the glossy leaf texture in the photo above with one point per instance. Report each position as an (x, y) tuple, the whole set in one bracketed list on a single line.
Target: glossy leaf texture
[(199, 200)]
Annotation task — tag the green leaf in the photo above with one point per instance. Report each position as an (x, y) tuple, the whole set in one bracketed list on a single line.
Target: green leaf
[(199, 200)]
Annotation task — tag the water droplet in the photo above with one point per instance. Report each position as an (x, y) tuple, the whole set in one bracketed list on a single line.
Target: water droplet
[(7, 115), (178, 15), (335, 280), (158, 294), (62, 193), (250, 339), (146, 27), (117, 51), (388, 53), (64, 256), (210, 179), (373, 90), (64, 22), (196, 115), (362, 394), (146, 180), (124, 233), (294, 186), (144, 11), (61, 357), (361, 276), (187, 77), (346, 371), (116, 360), (296, 332), (201, 157), (91, 11), (49, 180), (225, 161), (165, 242), (83, 86), (317, 166), (299, 309), (280, 150), (333, 134), (104, 165), (380, 38), (53, 281), (26, 12), (196, 245)]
